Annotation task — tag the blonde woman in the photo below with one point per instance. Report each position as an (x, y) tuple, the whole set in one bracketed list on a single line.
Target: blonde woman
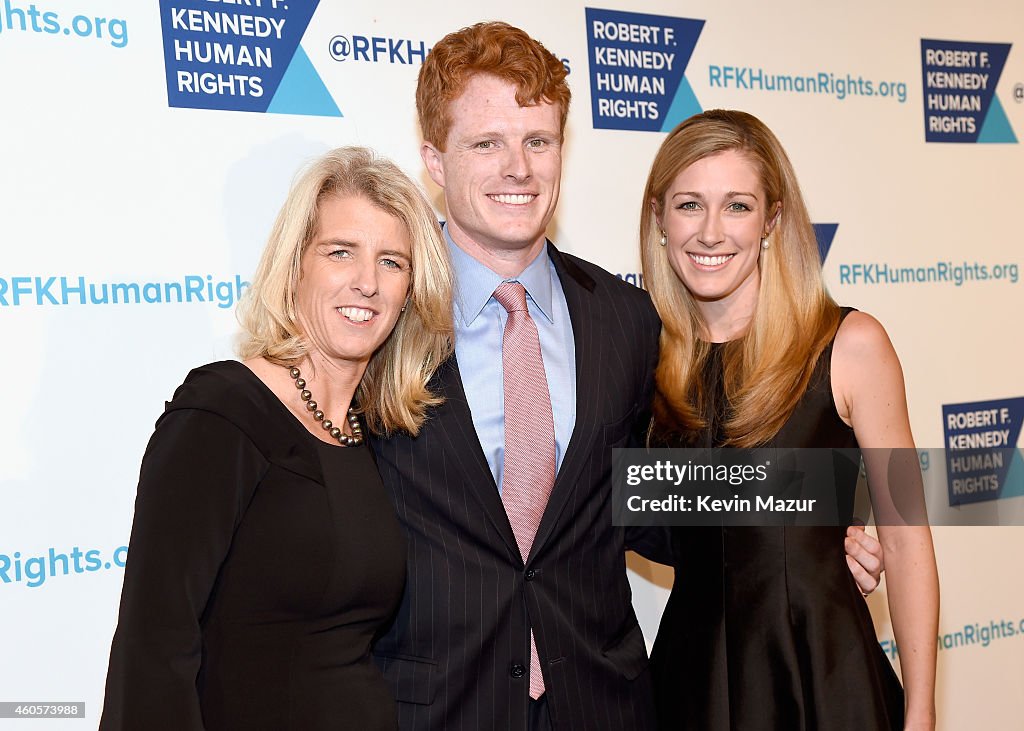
[(766, 629), (265, 555)]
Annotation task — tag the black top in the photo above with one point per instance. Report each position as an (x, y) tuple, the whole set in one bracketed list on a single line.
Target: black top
[(765, 629), (262, 562)]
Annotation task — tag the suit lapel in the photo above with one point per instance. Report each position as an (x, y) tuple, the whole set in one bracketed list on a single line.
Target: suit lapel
[(460, 441), (455, 421), (578, 287)]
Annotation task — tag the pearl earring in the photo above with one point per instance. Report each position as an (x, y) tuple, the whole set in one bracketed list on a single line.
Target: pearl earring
[(664, 238)]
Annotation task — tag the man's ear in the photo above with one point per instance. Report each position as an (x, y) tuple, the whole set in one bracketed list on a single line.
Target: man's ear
[(433, 162)]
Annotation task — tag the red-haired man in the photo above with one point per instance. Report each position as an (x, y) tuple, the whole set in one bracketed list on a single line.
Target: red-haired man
[(508, 624)]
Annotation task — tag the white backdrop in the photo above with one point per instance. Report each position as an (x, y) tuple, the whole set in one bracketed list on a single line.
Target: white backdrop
[(108, 177)]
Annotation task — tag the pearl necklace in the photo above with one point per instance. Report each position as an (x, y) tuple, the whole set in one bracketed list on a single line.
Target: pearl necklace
[(336, 433)]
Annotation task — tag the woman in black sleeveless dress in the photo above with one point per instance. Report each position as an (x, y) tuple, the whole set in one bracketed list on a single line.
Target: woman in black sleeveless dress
[(765, 629), (265, 555)]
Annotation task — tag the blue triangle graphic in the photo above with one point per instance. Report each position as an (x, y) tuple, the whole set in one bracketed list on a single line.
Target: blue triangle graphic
[(302, 91), (684, 106), (1014, 484), (824, 233), (996, 127)]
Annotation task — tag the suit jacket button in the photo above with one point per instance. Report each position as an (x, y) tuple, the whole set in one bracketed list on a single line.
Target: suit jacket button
[(530, 573), (518, 671)]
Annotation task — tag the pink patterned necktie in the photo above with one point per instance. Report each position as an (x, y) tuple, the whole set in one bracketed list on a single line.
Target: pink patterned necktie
[(529, 470)]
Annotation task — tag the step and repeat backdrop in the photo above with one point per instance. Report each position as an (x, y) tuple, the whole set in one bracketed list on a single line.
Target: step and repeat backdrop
[(146, 147)]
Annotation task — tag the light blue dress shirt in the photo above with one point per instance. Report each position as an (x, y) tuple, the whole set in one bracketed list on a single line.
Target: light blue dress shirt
[(479, 325)]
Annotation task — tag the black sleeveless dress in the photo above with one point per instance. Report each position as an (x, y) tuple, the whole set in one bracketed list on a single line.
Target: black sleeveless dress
[(765, 629)]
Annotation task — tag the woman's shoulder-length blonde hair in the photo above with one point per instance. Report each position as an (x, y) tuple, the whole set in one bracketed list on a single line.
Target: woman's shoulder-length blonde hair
[(393, 393), (767, 371)]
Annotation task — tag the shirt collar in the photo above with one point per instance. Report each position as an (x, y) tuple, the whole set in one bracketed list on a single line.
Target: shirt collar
[(475, 283)]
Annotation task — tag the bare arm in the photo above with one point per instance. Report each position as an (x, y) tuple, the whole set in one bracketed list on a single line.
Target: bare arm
[(868, 384)]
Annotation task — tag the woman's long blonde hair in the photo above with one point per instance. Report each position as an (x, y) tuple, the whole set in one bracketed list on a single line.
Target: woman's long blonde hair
[(393, 393), (765, 372)]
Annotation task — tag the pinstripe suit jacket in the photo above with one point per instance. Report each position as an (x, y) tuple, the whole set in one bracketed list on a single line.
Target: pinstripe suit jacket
[(451, 655)]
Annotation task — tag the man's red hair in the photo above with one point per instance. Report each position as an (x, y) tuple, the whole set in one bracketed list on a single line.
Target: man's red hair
[(492, 48)]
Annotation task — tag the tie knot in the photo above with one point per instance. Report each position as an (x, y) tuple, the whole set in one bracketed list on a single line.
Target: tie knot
[(511, 296)]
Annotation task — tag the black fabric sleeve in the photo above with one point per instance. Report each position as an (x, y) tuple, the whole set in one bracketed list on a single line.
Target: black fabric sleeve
[(198, 475), (655, 542)]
